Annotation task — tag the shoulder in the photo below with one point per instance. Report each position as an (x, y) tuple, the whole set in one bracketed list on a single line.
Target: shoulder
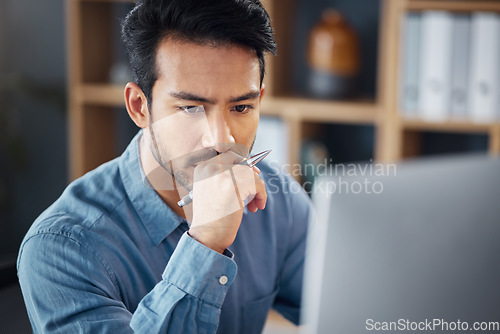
[(81, 204), (65, 237)]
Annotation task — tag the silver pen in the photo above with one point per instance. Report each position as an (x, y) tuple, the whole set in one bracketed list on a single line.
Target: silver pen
[(250, 162)]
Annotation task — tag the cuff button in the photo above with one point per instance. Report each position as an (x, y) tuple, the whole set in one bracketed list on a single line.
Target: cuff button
[(223, 280)]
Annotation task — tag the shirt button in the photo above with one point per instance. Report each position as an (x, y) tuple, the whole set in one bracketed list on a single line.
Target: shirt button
[(223, 280)]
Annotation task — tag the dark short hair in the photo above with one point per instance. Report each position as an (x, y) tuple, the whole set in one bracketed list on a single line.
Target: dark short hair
[(212, 22)]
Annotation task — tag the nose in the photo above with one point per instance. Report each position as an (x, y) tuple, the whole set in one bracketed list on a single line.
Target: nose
[(219, 134)]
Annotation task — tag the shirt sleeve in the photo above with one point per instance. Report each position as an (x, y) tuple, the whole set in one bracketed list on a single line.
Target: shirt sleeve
[(191, 293), (69, 289)]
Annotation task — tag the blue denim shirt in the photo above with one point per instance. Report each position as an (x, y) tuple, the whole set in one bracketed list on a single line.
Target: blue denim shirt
[(109, 256)]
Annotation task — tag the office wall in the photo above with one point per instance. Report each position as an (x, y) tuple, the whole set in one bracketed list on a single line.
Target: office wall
[(33, 169)]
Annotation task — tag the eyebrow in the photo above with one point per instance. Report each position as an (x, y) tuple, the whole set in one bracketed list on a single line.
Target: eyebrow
[(192, 97), (248, 96)]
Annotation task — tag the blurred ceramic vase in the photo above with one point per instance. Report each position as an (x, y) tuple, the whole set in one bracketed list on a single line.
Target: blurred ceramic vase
[(333, 57)]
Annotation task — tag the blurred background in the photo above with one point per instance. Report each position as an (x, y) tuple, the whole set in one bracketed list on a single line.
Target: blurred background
[(40, 86), (33, 136), (33, 115)]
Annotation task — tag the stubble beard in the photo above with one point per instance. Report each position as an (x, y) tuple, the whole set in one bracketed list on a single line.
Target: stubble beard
[(182, 168)]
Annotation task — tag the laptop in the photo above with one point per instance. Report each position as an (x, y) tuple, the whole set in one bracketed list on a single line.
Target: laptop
[(407, 248)]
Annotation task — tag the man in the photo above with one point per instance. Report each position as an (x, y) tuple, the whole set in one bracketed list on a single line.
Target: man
[(116, 253)]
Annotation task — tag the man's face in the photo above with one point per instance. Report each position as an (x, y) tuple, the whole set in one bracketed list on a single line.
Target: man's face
[(205, 101)]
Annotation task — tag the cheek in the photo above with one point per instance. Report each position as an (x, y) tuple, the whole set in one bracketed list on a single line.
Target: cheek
[(244, 130), (177, 136)]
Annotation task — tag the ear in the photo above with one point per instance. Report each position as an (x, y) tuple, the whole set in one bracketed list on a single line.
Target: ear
[(137, 105), (262, 92)]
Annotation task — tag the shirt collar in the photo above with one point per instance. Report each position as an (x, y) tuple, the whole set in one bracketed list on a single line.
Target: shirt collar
[(157, 217)]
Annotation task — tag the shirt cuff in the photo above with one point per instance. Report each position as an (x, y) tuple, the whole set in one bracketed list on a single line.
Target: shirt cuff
[(200, 271)]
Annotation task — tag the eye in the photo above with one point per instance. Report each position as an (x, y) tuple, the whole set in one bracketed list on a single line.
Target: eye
[(191, 110), (242, 108)]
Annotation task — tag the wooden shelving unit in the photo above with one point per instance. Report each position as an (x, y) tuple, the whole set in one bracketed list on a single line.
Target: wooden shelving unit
[(92, 98), (100, 94), (464, 6), (452, 126), (398, 138)]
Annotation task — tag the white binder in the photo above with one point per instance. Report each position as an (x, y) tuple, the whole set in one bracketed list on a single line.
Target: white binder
[(435, 55), (485, 71), (460, 66), (410, 55)]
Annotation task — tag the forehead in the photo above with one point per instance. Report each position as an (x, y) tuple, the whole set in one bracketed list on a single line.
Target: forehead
[(184, 63)]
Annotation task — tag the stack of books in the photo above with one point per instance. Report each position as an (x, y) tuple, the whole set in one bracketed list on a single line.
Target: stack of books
[(450, 66)]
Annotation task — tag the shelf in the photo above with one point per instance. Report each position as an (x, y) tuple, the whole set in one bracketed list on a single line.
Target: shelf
[(449, 126), (304, 109), (310, 110), (100, 94), (108, 1), (463, 6)]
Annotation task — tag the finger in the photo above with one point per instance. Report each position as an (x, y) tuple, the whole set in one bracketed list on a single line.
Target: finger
[(260, 199), (252, 207), (215, 165), (257, 203), (256, 169)]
